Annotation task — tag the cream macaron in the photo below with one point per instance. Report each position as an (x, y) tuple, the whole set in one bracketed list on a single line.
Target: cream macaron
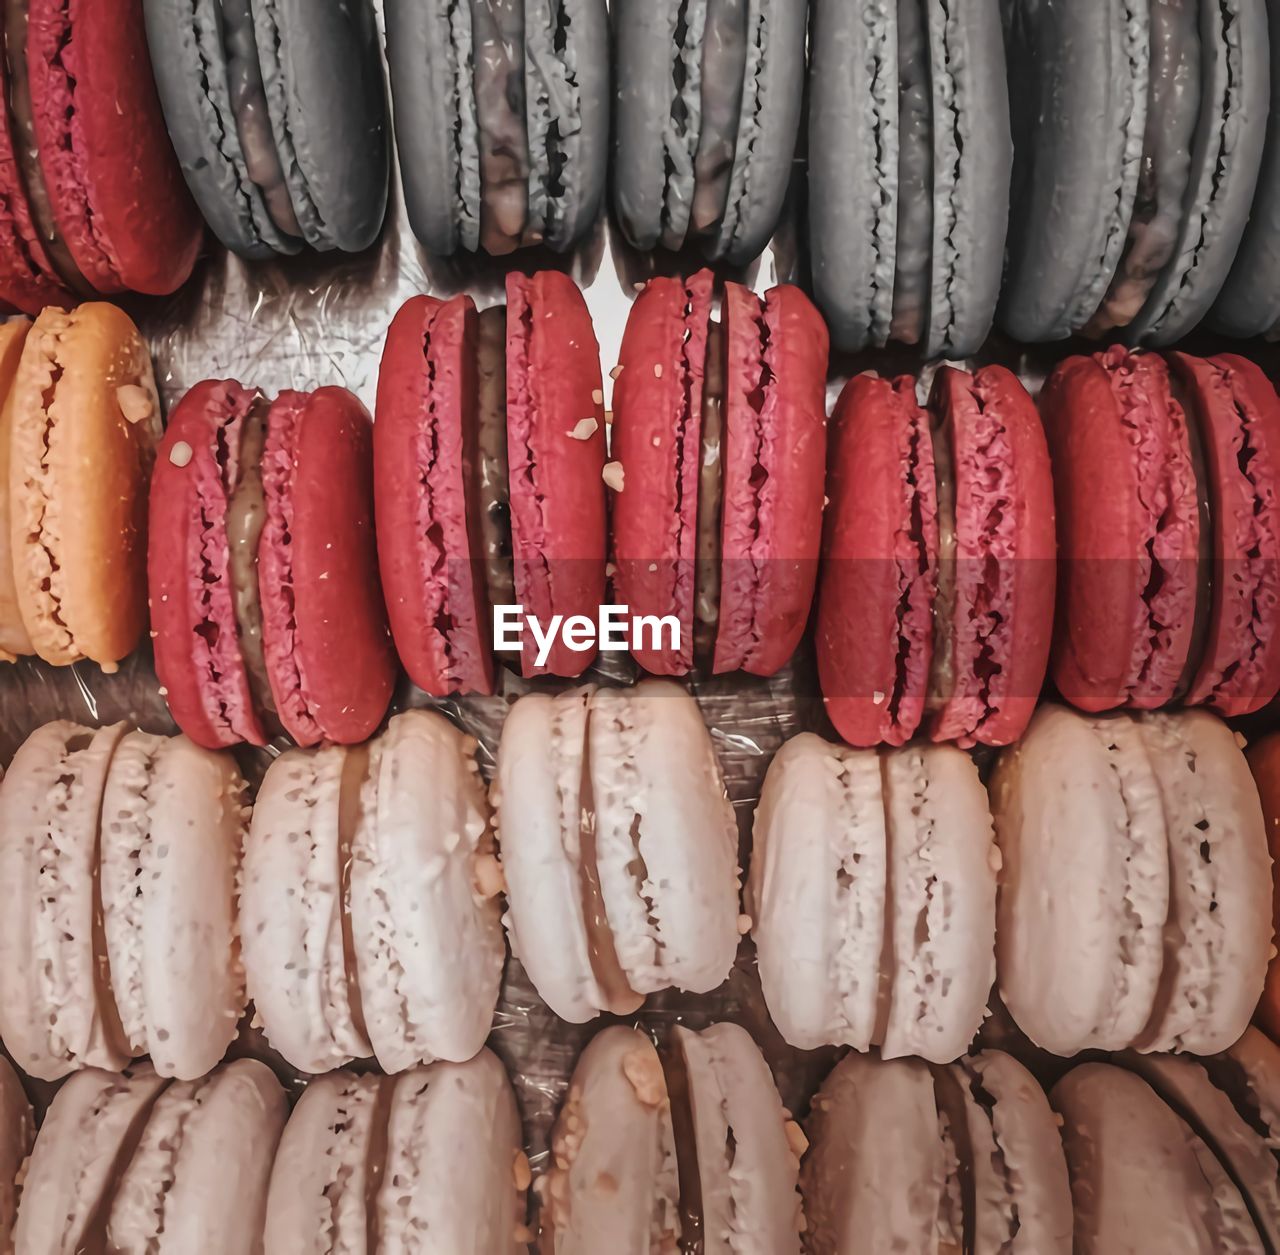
[(17, 1132), (433, 1155), (368, 913), (873, 893), (1135, 899), (619, 847), (692, 1144), (119, 851)]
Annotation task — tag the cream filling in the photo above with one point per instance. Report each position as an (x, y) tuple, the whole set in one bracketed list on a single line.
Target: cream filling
[(942, 674), (494, 471), (355, 772), (706, 606)]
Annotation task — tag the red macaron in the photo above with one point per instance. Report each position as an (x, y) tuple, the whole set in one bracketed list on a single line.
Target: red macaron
[(265, 604), (719, 445), (94, 197), (489, 447), (1169, 531), (935, 609)]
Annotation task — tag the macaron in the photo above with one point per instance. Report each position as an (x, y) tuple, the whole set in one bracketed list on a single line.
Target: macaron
[(436, 1150), (96, 200), (619, 847), (14, 641), (935, 600), (872, 892), (83, 421), (690, 1145), (1138, 139), (707, 114), (1166, 486), (905, 1157), (134, 1163), (489, 448), (1264, 761), (718, 447), (368, 907), (1142, 1177), (278, 113), (17, 1132), (1135, 902), (120, 851), (502, 119), (910, 153), (266, 610)]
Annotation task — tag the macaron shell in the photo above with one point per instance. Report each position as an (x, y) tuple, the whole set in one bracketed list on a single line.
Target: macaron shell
[(666, 838), (424, 470), (194, 634), (880, 544), (172, 824), (56, 1011), (297, 971), (86, 1140), (201, 1169), (118, 195), (656, 435), (853, 167), (428, 943), (1122, 505), (819, 929), (322, 75), (320, 1181), (557, 493), (78, 480), (749, 1173), (1264, 761), (1078, 102), (1225, 160), (537, 798), (453, 1142), (1002, 618), (1219, 930), (942, 885), (775, 448), (17, 1132), (1239, 417), (325, 634), (875, 1172), (1140, 1178), (612, 1182), (14, 641), (1084, 886)]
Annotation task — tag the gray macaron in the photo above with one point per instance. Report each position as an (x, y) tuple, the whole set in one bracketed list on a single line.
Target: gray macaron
[(277, 112), (708, 98), (502, 119), (910, 154)]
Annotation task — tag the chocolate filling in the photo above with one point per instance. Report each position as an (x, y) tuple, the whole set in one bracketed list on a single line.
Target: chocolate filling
[(498, 84), (1204, 554), (951, 1108), (619, 997), (493, 467), (246, 514), (253, 122), (25, 149), (942, 669), (688, 1171), (706, 602), (375, 1162), (355, 771)]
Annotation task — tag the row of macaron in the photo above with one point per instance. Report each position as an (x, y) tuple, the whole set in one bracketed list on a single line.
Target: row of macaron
[(1114, 884), (653, 1148), (296, 548)]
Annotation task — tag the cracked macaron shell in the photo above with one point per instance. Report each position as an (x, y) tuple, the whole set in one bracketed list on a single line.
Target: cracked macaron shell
[(1238, 415), (84, 421), (1129, 524), (118, 195), (324, 625), (425, 467), (558, 528), (880, 552)]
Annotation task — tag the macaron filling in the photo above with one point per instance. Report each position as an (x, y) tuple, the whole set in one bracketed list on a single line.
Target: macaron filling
[(720, 80), (498, 83), (494, 472), (675, 1071), (553, 108), (680, 138), (351, 815), (706, 601), (911, 278)]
